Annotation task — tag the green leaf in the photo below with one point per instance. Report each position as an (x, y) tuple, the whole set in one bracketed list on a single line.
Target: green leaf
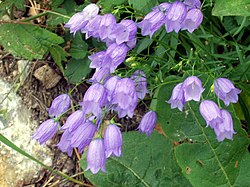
[(204, 160), (231, 8), (19, 4), (27, 41), (57, 17), (58, 54), (77, 69), (56, 3), (143, 6), (145, 161), (79, 47), (109, 4)]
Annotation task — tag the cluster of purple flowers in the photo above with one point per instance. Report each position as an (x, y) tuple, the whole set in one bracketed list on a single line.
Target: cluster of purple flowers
[(176, 16), (218, 119)]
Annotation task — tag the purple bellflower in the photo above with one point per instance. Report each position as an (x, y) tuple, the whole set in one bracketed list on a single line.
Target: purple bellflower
[(74, 120), (148, 123), (106, 26), (83, 135), (193, 3), (94, 99), (113, 141), (92, 28), (225, 90), (46, 131), (100, 75), (192, 20), (192, 88), (175, 15), (64, 144), (125, 98), (140, 81), (96, 158), (225, 129), (59, 105), (97, 59), (110, 86), (211, 113), (81, 19), (177, 99)]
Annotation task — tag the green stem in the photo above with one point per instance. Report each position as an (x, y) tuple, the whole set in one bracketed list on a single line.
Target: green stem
[(35, 16)]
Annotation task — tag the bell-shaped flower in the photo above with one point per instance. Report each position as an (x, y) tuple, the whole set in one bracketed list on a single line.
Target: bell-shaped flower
[(193, 3), (59, 105), (177, 99), (192, 88), (124, 31), (46, 131), (107, 24), (94, 99), (140, 81), (92, 28), (192, 20), (79, 20), (110, 86), (225, 129), (96, 158), (175, 15), (100, 75), (97, 59), (74, 120), (64, 144), (211, 113), (83, 135), (148, 123), (125, 98), (113, 141), (226, 91)]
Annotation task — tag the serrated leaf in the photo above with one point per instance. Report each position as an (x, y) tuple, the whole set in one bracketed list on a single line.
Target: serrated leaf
[(77, 69), (204, 160), (231, 8), (58, 54), (143, 6), (145, 161), (27, 41), (79, 47)]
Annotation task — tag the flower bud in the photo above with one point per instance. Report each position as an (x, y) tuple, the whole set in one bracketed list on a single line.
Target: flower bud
[(148, 123), (59, 105)]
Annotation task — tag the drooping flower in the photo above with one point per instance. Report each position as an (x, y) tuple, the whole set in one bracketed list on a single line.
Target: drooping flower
[(59, 105), (83, 135), (64, 144), (140, 81), (125, 98), (92, 29), (226, 91), (153, 20), (100, 75), (177, 99), (113, 141), (225, 129), (46, 131), (211, 113), (79, 20), (148, 123), (74, 120), (94, 99), (193, 3), (175, 15), (192, 20), (97, 59), (192, 88), (110, 86), (106, 26), (96, 158)]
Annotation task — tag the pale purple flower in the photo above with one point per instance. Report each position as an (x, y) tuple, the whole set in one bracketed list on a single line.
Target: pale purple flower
[(125, 31), (46, 131), (192, 88), (94, 99), (74, 120), (79, 20), (64, 144), (100, 75), (177, 99), (107, 24), (226, 91), (96, 158), (193, 3), (140, 81), (175, 15), (110, 86), (211, 113), (225, 129), (148, 123), (113, 141), (153, 21), (192, 20), (59, 105), (83, 135), (97, 59), (92, 28), (125, 98)]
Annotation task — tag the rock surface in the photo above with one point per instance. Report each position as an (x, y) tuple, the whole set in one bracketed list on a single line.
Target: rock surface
[(16, 125)]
